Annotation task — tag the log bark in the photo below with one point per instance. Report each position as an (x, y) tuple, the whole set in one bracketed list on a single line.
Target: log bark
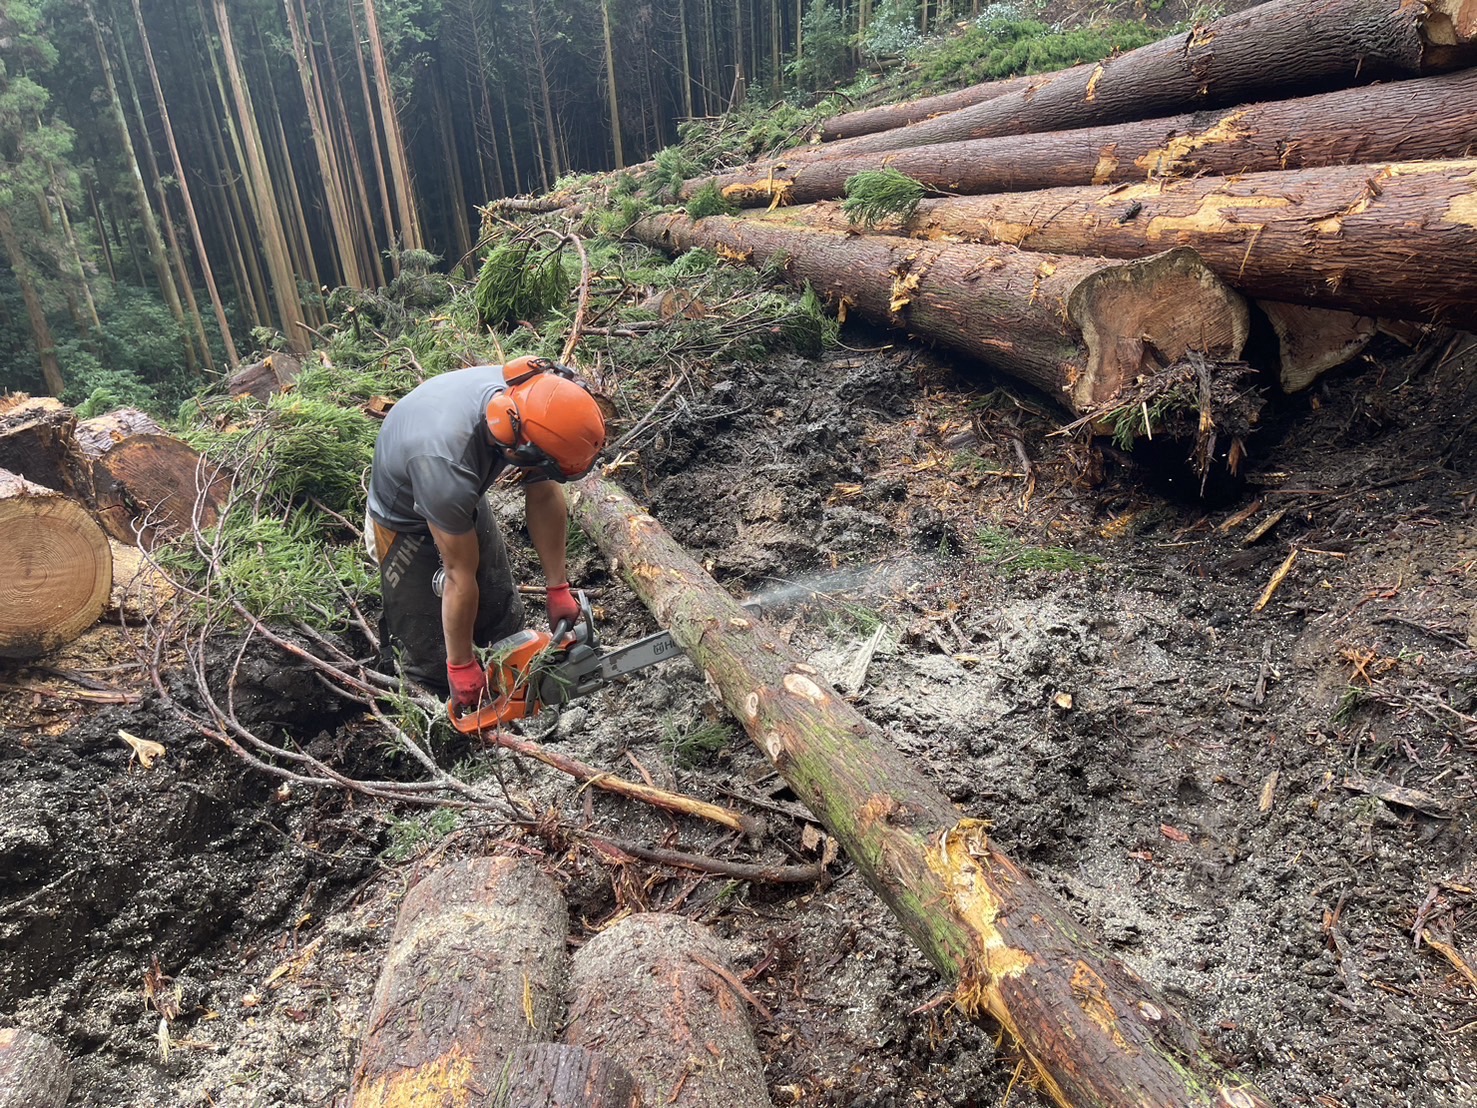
[(640, 992), (1311, 341), (149, 486), (1094, 1034), (885, 117), (262, 379), (1075, 328), (33, 1072), (475, 970), (56, 570), (1396, 239), (551, 1075), (36, 438), (1434, 117), (1270, 51)]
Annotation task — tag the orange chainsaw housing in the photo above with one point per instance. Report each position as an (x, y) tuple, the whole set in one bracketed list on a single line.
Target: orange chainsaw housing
[(512, 678)]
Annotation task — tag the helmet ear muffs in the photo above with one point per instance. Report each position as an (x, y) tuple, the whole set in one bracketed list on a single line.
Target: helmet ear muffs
[(503, 422)]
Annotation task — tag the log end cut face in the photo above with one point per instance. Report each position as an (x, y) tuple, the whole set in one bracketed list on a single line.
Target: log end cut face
[(1144, 315), (56, 573)]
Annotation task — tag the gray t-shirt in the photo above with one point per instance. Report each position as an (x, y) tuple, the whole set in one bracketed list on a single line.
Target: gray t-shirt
[(434, 459)]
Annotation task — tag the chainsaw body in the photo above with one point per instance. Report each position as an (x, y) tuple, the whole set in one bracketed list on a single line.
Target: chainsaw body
[(530, 670)]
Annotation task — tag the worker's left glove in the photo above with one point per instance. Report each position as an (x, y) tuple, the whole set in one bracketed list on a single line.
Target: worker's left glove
[(563, 607)]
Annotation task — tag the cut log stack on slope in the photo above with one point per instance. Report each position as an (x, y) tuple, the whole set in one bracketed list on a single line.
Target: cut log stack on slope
[(1346, 204)]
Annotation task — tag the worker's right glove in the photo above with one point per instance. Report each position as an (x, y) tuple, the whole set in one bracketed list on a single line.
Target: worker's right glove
[(563, 607), (468, 682)]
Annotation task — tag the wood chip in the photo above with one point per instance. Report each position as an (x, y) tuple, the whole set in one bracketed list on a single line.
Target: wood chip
[(1400, 796), (1269, 792)]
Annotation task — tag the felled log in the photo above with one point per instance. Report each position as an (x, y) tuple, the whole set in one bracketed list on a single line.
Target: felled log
[(552, 1075), (56, 570), (475, 970), (263, 378), (645, 992), (885, 117), (1395, 239), (1434, 117), (1094, 1034), (1075, 328), (33, 1072), (1311, 341), (36, 438), (1273, 50), (144, 484)]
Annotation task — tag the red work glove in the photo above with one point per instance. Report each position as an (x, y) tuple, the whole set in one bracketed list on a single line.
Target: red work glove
[(468, 683), (563, 607)]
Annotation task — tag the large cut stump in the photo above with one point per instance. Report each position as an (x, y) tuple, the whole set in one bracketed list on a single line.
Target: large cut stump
[(552, 1075), (1076, 328), (33, 1072), (1095, 1035), (475, 969), (1395, 239), (56, 570), (1434, 117), (1270, 51), (36, 442), (641, 992), (146, 485)]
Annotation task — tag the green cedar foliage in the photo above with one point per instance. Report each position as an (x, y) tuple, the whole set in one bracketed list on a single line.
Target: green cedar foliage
[(874, 195)]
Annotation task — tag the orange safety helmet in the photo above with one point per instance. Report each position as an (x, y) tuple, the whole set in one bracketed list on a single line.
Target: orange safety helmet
[(547, 422)]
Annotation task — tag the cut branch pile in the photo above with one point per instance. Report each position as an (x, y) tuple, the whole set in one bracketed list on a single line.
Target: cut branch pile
[(1259, 141)]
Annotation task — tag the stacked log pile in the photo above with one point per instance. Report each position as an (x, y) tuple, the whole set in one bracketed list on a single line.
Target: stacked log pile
[(1315, 159), (71, 492)]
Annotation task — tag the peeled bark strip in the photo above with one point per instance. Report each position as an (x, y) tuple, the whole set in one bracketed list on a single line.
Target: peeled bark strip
[(56, 570), (1434, 117), (475, 969), (1274, 50), (1075, 328), (1398, 239), (1311, 341), (885, 117), (640, 992), (550, 1075), (1096, 1035), (33, 1072)]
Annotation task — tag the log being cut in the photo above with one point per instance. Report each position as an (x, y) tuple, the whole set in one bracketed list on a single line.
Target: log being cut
[(1094, 1034), (56, 568), (1078, 329), (1434, 117)]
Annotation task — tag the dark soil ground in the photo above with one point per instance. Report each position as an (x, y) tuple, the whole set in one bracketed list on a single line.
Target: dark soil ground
[(1264, 808)]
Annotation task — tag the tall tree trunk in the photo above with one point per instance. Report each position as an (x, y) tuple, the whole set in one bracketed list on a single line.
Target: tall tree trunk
[(1077, 329), (1264, 52), (201, 256), (152, 237), (78, 271), (51, 370), (362, 216), (376, 149), (546, 100), (456, 189), (1431, 117), (333, 182), (262, 192), (518, 182), (1396, 240), (410, 227), (615, 114), (686, 58), (176, 254), (1094, 1034), (104, 242)]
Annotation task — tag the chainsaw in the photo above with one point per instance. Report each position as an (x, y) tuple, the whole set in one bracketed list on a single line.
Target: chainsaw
[(530, 670)]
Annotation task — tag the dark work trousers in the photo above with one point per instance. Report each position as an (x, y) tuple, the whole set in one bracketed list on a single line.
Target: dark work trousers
[(412, 611)]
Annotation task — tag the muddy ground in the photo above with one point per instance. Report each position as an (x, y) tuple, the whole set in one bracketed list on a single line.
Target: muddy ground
[(1263, 808)]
